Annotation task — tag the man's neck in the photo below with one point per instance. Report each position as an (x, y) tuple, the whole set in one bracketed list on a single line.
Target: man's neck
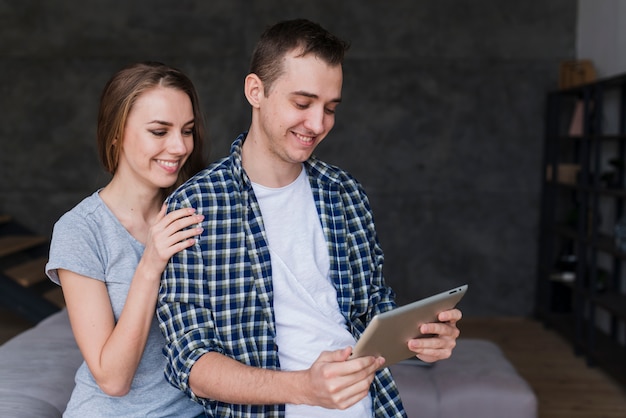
[(264, 169)]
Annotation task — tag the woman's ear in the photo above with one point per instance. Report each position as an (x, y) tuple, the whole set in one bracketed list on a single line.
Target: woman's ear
[(253, 89)]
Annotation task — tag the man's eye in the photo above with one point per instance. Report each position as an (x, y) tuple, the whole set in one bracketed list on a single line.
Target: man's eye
[(329, 111)]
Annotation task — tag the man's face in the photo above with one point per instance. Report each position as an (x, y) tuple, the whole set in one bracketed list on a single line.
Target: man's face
[(299, 110)]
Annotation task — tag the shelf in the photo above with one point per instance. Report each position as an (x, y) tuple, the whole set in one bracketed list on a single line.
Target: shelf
[(596, 114), (565, 231), (602, 242), (619, 193), (589, 137), (564, 185), (606, 244), (607, 82), (613, 302), (608, 355)]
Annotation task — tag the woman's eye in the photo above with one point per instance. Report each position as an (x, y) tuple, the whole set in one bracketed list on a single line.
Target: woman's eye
[(158, 132), (301, 105), (188, 132), (329, 111)]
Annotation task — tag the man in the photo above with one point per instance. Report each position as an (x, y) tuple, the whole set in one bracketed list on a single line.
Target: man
[(261, 314)]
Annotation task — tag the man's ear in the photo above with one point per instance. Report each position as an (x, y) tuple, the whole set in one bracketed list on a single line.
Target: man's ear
[(253, 89)]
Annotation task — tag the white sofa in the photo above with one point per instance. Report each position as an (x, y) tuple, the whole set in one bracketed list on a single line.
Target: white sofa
[(37, 376)]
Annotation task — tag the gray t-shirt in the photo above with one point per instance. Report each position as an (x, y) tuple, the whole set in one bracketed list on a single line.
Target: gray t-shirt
[(90, 241)]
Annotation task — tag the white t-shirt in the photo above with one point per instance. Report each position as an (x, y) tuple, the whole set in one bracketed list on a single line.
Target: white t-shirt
[(308, 319)]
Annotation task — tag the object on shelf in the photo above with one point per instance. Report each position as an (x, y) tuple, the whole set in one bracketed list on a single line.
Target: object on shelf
[(601, 280), (619, 234), (610, 178), (576, 124), (565, 173), (566, 269), (571, 218), (563, 276), (574, 73)]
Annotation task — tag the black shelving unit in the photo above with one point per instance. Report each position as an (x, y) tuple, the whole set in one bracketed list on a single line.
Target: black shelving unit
[(581, 281)]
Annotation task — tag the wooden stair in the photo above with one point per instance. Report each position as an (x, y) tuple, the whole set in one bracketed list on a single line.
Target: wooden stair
[(15, 243), (28, 273), (24, 286)]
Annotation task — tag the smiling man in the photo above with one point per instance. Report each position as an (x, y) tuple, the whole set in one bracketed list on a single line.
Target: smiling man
[(261, 314)]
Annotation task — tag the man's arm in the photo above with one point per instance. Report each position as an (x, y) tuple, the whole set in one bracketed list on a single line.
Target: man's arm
[(332, 382)]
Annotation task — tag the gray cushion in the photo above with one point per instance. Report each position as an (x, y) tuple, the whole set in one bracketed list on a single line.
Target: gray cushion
[(477, 381), (16, 405), (38, 368)]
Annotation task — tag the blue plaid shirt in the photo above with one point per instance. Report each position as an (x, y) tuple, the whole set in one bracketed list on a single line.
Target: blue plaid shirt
[(217, 295)]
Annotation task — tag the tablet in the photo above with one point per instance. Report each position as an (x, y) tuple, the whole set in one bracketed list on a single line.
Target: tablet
[(388, 333)]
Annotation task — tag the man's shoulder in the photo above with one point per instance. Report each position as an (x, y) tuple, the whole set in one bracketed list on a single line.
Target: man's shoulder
[(329, 172), (329, 178), (215, 174), (218, 177)]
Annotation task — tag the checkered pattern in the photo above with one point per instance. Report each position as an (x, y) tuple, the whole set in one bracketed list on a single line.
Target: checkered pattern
[(217, 295)]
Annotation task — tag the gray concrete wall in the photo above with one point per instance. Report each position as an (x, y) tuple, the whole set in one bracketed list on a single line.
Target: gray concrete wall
[(605, 48), (442, 119)]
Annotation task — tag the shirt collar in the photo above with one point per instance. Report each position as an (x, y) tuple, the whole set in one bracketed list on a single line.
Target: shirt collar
[(313, 166)]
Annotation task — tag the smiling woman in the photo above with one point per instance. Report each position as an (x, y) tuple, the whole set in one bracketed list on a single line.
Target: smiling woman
[(121, 95), (157, 141), (109, 251)]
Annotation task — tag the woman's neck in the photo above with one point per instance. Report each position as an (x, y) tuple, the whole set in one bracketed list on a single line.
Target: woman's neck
[(135, 208)]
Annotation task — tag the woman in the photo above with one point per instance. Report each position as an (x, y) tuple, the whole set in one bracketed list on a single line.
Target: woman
[(109, 251)]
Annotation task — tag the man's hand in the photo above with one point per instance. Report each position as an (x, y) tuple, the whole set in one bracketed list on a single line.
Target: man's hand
[(338, 383), (443, 341)]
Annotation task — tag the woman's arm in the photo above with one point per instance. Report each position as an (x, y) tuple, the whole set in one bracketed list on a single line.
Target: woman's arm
[(113, 351)]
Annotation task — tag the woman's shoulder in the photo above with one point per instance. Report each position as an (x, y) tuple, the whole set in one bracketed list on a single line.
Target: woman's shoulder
[(89, 210)]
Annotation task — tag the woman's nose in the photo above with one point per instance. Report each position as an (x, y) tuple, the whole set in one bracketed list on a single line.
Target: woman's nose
[(177, 144)]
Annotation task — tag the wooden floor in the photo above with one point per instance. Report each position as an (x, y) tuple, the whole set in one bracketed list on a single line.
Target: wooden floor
[(564, 385)]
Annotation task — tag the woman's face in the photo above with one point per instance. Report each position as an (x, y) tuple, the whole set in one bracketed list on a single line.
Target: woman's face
[(158, 138)]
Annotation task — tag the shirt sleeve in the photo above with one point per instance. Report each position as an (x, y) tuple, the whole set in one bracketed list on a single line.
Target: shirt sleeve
[(382, 297), (367, 269), (184, 311), (74, 247), (367, 255)]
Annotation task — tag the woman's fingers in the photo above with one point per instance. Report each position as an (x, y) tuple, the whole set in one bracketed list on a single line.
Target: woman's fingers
[(172, 232)]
